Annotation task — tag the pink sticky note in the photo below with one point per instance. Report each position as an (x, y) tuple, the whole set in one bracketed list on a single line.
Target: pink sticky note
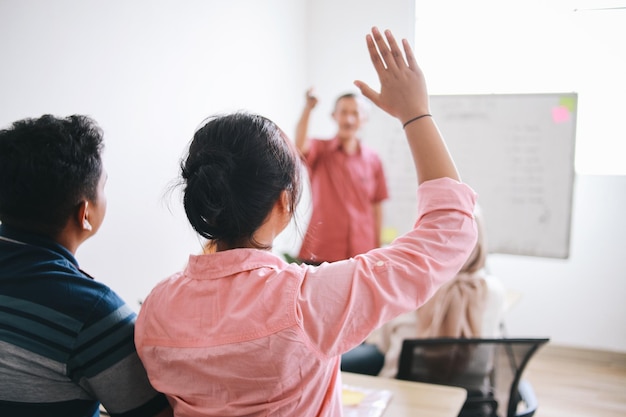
[(560, 114)]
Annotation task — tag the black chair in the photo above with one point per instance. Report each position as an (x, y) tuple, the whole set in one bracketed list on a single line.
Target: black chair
[(489, 369)]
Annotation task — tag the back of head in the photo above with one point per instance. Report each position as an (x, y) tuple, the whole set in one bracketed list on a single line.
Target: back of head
[(235, 170), (47, 166)]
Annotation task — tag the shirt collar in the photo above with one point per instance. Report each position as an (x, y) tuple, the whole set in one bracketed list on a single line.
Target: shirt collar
[(337, 146), (21, 237), (232, 262)]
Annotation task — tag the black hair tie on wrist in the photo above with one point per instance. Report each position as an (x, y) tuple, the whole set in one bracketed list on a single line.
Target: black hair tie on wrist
[(416, 118)]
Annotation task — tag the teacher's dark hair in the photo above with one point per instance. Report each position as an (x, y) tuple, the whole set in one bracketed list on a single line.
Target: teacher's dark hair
[(47, 166), (235, 170)]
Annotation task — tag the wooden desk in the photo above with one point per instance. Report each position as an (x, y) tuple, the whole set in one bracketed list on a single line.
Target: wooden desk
[(413, 398)]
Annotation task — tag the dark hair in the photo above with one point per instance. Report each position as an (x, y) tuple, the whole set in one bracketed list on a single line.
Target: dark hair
[(47, 166), (343, 96), (236, 167)]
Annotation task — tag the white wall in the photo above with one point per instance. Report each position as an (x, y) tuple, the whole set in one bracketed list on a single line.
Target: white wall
[(337, 52), (150, 71)]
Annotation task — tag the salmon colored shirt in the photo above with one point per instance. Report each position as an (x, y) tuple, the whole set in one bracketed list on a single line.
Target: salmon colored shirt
[(242, 333), (345, 188)]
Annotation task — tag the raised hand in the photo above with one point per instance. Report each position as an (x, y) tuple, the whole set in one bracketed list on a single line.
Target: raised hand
[(403, 92), (311, 99)]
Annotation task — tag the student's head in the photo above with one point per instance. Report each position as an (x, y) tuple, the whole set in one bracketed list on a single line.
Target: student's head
[(350, 113), (51, 173), (237, 167)]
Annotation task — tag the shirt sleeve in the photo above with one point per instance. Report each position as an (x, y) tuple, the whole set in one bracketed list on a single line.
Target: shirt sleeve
[(341, 303), (105, 362), (315, 149), (391, 338)]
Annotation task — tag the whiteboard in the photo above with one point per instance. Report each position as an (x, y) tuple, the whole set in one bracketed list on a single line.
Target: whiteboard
[(515, 150)]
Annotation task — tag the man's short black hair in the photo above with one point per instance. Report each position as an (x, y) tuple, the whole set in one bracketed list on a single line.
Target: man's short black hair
[(48, 166)]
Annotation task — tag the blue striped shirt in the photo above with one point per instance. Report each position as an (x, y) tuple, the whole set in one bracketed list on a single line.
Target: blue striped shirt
[(66, 340)]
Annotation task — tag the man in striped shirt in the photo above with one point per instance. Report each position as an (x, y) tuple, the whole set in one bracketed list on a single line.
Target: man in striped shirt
[(66, 340)]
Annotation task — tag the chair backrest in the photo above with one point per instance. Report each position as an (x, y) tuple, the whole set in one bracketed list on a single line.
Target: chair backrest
[(489, 369)]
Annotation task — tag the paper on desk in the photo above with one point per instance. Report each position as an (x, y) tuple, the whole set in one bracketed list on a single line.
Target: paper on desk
[(364, 402)]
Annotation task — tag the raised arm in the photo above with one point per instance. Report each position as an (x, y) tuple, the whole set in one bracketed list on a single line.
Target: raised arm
[(403, 94), (302, 128)]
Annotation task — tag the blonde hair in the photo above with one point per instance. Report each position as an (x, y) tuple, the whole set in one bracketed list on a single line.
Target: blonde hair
[(457, 308), (478, 257)]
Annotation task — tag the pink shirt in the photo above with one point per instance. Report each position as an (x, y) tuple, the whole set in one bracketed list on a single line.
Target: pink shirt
[(344, 189), (242, 333)]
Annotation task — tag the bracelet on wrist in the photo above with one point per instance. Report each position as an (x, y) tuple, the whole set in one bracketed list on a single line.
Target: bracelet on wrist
[(414, 119)]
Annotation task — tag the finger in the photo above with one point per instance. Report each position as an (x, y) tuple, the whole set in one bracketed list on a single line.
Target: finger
[(408, 52), (396, 53), (383, 49), (367, 91), (379, 65)]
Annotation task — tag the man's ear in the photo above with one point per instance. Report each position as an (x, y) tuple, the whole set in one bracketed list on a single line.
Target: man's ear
[(83, 215)]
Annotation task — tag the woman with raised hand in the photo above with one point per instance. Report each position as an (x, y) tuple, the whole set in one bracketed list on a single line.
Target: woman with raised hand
[(241, 332)]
